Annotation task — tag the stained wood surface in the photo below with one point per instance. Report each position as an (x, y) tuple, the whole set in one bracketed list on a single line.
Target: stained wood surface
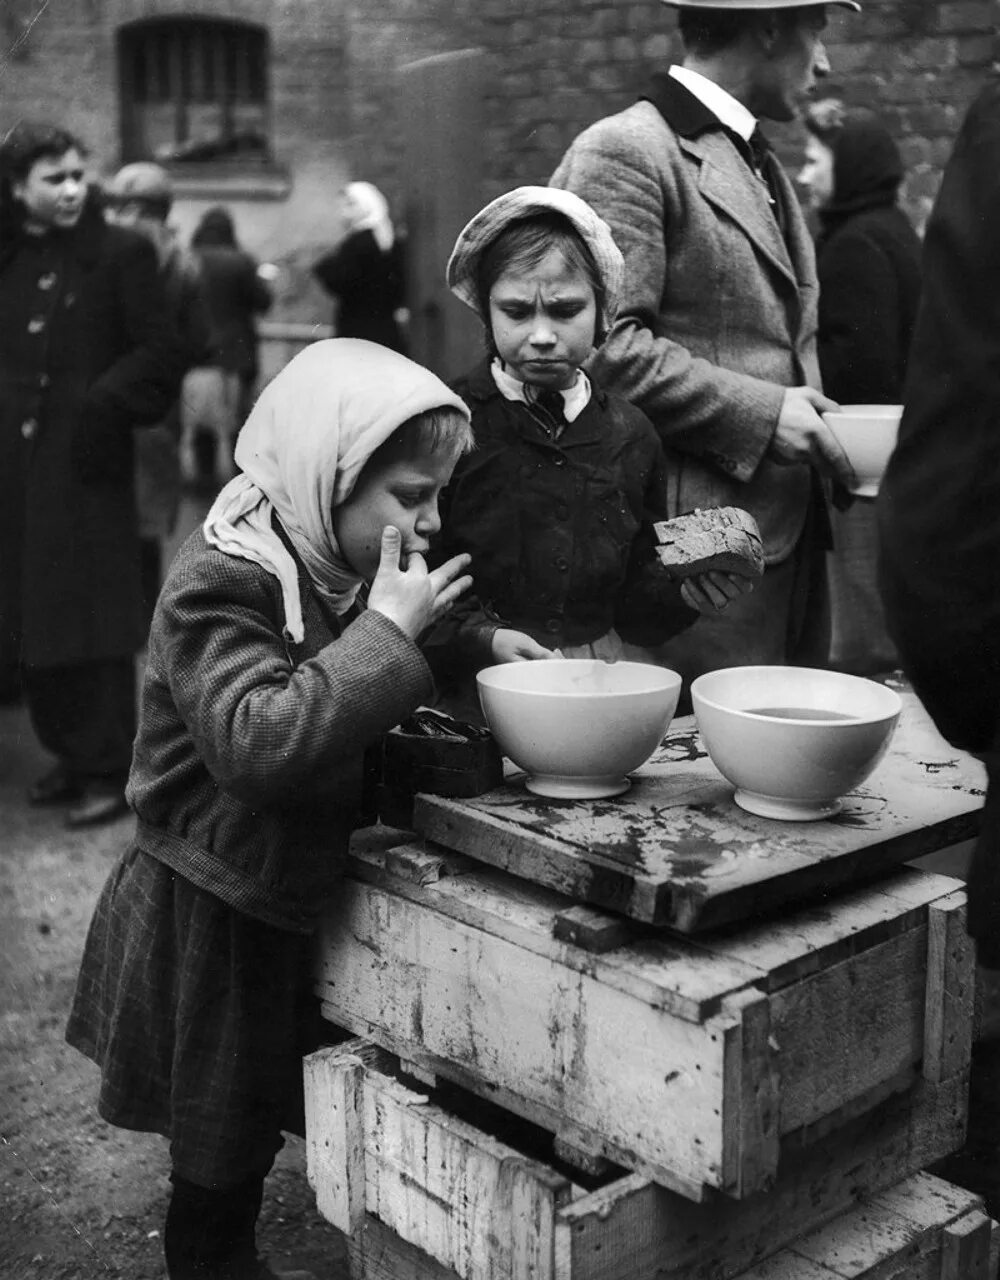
[(676, 850), (475, 1203), (687, 1059)]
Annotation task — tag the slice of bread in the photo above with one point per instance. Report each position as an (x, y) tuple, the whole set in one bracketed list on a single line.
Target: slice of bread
[(723, 538)]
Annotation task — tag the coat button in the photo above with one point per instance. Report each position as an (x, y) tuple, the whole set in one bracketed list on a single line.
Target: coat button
[(36, 324), (553, 625), (47, 280), (28, 428), (559, 460), (561, 563), (44, 379)]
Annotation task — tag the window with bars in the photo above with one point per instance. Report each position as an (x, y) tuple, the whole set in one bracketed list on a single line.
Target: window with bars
[(194, 91)]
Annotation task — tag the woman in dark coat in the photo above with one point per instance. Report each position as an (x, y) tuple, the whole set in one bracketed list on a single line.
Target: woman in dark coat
[(868, 262), (365, 273), (85, 354)]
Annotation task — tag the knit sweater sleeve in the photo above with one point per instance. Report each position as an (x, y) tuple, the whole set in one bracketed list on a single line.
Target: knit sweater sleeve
[(266, 725)]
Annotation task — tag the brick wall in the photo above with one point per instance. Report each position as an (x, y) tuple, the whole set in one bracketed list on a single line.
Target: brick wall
[(556, 65)]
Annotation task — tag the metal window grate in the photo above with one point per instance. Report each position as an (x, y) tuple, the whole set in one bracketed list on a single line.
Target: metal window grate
[(194, 90)]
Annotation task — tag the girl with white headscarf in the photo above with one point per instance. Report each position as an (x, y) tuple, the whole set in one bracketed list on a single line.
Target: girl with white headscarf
[(366, 273), (267, 678), (557, 501)]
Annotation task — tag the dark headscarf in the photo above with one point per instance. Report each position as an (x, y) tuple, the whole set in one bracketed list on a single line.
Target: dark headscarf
[(215, 228), (867, 165)]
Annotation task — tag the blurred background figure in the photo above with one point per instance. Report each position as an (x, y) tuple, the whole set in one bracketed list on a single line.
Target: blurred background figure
[(141, 196), (86, 355), (366, 273), (868, 263), (217, 396)]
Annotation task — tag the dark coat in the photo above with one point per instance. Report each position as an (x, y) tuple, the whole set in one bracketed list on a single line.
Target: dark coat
[(559, 530), (235, 295), (868, 261), (939, 504), (369, 285), (86, 353)]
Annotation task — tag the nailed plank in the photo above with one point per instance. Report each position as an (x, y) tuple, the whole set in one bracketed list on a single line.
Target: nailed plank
[(950, 989), (676, 850), (965, 1248), (463, 977), (333, 1080), (423, 983)]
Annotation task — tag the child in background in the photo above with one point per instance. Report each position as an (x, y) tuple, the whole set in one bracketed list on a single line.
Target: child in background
[(266, 681), (556, 501)]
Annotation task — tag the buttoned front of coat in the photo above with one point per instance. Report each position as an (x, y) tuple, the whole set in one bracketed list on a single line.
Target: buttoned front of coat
[(558, 529), (84, 346)]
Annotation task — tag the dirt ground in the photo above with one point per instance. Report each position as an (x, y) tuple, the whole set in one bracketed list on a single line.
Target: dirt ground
[(77, 1197)]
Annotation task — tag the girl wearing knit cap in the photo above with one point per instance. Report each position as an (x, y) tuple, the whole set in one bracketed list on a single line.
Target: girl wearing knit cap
[(283, 645), (556, 502)]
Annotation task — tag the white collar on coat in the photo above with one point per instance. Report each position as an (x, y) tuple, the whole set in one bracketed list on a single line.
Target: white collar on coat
[(732, 113)]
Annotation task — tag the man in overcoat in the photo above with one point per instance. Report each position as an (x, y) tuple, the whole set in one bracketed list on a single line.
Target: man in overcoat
[(716, 336), (85, 354)]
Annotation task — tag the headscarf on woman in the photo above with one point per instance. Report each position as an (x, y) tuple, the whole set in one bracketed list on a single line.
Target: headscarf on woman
[(309, 435), (368, 210), (215, 228), (524, 202)]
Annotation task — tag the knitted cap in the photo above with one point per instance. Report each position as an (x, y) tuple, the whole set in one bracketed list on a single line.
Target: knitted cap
[(523, 202)]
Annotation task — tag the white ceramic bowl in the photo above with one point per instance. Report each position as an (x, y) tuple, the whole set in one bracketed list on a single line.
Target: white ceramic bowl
[(770, 731), (578, 726), (867, 434)]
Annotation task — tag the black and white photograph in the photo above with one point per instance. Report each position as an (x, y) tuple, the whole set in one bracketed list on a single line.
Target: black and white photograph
[(500, 640)]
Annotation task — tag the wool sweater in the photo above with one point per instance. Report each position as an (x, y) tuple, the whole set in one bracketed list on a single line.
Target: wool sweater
[(247, 768)]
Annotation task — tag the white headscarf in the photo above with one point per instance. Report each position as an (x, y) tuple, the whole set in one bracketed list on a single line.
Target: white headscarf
[(370, 213), (301, 451), (514, 206)]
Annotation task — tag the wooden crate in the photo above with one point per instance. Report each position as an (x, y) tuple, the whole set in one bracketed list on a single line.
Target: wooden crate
[(676, 849), (691, 1062), (422, 1192)]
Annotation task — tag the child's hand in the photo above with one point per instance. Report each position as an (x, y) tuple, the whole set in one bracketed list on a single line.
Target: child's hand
[(515, 646), (415, 597), (711, 592)]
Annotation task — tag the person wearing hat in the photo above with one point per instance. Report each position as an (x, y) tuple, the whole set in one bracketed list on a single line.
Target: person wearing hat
[(86, 354), (556, 502), (715, 338), (140, 196)]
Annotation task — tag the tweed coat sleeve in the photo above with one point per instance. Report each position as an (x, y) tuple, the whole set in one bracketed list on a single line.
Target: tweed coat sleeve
[(267, 725), (630, 174)]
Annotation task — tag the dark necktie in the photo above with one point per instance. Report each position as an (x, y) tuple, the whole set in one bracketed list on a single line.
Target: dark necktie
[(554, 410), (764, 163)]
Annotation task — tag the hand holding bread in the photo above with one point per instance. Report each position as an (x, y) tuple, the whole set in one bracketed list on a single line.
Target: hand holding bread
[(716, 554)]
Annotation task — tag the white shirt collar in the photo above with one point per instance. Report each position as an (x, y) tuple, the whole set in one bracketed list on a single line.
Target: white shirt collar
[(575, 398), (733, 114)]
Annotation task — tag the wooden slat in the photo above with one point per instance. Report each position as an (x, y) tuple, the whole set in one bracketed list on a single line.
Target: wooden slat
[(899, 1234), (950, 989), (965, 1248), (649, 1232), (335, 1133), (676, 850), (463, 977)]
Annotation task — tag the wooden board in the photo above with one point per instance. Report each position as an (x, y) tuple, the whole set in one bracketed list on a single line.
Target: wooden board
[(676, 850), (688, 1060), (475, 1198)]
